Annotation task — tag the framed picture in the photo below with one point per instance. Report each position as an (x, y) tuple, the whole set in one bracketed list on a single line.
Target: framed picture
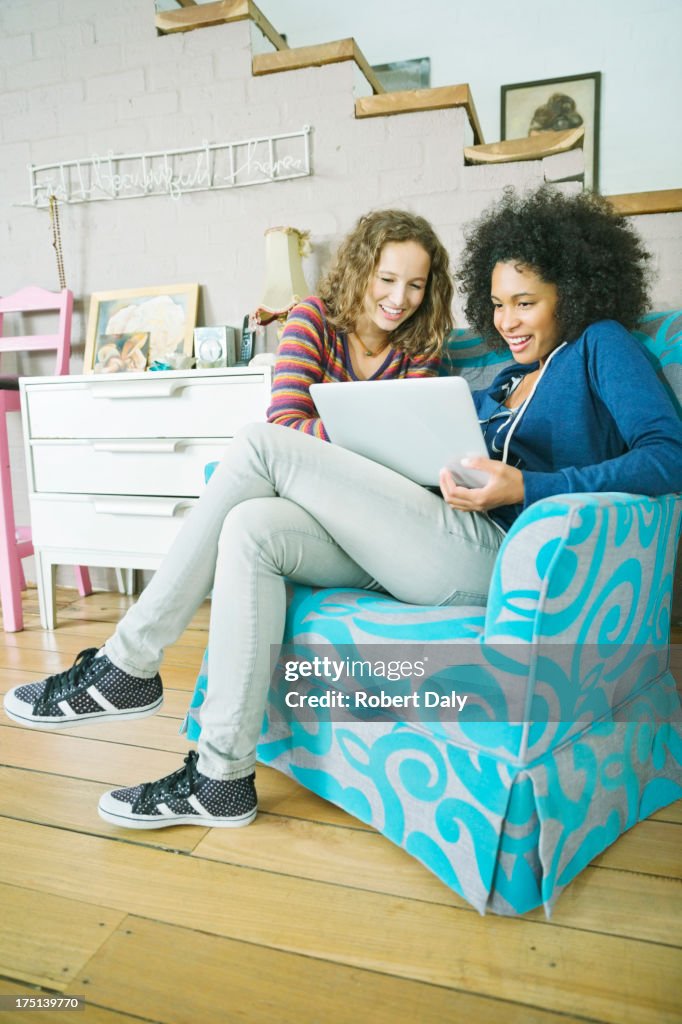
[(121, 353), (556, 104), (404, 74), (129, 329)]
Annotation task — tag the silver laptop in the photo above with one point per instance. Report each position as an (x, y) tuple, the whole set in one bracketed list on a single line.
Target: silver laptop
[(415, 426)]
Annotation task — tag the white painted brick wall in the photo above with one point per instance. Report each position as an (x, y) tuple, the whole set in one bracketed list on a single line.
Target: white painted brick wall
[(15, 49), (18, 17), (662, 233), (564, 165), (67, 38), (101, 59), (123, 86), (82, 77), (54, 97), (33, 73), (11, 103), (494, 177)]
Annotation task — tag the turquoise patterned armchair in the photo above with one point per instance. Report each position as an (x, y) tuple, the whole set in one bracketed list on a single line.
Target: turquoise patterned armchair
[(573, 730)]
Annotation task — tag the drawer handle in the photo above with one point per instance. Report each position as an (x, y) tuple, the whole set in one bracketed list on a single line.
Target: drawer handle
[(150, 447), (137, 389), (166, 507)]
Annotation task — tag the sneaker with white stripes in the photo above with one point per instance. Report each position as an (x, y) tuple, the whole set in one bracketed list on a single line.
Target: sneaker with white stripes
[(92, 689), (184, 798)]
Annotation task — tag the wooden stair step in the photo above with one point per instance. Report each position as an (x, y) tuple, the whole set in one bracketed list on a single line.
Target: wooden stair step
[(411, 100), (220, 12), (315, 57), (631, 204), (532, 147)]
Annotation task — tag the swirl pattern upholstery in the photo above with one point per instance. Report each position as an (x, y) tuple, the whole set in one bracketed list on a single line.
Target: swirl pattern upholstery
[(572, 732)]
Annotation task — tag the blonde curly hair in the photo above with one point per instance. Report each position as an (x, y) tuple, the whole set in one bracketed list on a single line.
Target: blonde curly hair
[(343, 287)]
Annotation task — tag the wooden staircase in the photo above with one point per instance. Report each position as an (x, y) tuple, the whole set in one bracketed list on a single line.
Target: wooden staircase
[(379, 103)]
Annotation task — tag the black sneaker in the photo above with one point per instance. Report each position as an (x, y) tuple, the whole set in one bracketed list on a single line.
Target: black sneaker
[(93, 688), (184, 798)]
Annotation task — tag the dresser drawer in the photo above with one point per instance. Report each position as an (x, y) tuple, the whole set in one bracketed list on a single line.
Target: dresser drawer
[(150, 407), (166, 466), (130, 525)]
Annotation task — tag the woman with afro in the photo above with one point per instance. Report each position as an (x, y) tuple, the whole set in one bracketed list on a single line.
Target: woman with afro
[(559, 282)]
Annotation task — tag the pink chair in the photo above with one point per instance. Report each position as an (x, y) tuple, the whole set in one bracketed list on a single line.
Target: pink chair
[(15, 542)]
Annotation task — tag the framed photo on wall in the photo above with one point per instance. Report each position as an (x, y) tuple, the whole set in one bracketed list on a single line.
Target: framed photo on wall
[(556, 104), (130, 328)]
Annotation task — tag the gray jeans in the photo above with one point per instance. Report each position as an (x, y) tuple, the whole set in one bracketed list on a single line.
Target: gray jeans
[(284, 504)]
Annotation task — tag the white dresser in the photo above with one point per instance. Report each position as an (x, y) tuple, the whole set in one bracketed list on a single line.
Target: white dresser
[(115, 463)]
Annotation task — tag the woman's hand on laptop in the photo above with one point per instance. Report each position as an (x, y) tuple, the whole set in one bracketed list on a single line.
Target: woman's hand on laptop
[(504, 486)]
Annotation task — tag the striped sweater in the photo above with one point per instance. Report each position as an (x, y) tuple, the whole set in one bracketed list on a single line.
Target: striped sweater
[(311, 351)]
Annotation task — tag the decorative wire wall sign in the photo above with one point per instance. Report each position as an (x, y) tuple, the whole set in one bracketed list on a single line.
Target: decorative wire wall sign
[(174, 172)]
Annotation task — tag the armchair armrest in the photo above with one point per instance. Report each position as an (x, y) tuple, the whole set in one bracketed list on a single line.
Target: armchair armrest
[(587, 568)]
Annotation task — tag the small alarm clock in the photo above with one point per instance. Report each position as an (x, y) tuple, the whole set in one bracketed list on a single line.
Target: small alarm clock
[(214, 346)]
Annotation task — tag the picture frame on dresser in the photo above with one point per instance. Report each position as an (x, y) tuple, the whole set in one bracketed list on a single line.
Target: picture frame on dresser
[(128, 329)]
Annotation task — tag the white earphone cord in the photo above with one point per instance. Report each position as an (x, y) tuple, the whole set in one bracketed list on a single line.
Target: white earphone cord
[(517, 418)]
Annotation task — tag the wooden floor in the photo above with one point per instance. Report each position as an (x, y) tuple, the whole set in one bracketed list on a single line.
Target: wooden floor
[(307, 915)]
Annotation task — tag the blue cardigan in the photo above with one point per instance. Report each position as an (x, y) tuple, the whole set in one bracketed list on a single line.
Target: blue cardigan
[(600, 420)]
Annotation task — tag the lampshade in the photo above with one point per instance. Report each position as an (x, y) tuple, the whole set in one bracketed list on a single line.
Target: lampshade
[(285, 284)]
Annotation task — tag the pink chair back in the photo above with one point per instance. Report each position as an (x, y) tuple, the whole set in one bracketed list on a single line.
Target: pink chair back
[(16, 542), (34, 300)]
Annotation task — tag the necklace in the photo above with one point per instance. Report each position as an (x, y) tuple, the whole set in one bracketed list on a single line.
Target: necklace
[(365, 350)]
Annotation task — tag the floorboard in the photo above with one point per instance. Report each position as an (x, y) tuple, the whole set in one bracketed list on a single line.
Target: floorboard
[(203, 976), (306, 917), (47, 939)]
